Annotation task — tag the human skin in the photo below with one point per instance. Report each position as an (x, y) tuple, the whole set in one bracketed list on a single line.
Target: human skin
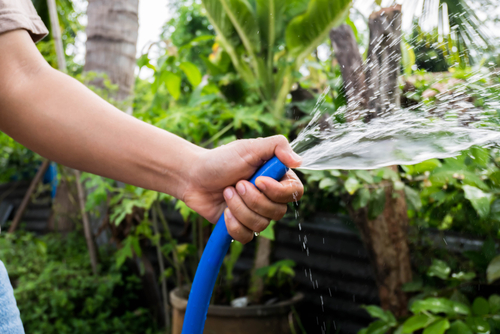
[(62, 120)]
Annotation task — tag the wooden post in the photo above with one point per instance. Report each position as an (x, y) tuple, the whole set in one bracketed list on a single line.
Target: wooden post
[(27, 196)]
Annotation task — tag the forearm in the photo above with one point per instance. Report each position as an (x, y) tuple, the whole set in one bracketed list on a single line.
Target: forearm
[(78, 129)]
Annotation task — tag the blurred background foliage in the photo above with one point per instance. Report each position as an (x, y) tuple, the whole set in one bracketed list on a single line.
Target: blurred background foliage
[(211, 86)]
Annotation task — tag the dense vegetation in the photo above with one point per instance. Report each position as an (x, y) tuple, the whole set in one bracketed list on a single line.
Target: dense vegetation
[(212, 86)]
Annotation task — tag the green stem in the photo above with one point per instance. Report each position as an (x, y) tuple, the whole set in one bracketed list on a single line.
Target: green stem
[(170, 239), (164, 289), (218, 135)]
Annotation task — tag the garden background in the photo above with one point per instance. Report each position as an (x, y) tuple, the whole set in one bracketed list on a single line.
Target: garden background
[(402, 249)]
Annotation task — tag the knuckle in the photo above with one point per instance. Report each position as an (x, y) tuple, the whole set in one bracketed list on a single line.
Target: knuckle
[(245, 237), (236, 206), (281, 139), (254, 201), (261, 225), (300, 192), (280, 212), (232, 228)]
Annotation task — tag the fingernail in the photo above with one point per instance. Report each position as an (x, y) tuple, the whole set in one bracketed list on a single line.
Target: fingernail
[(228, 193), (229, 214), (240, 187), (261, 185)]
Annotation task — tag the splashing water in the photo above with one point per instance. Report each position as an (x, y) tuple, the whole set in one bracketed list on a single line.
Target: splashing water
[(399, 137)]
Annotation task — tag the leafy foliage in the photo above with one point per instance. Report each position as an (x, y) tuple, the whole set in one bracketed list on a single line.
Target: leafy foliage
[(57, 293), (438, 311), (265, 53)]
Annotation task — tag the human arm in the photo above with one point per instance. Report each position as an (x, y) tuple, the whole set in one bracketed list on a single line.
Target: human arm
[(59, 118)]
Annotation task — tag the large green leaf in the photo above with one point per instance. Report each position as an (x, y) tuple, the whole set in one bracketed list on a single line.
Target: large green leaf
[(242, 16), (407, 57), (413, 197), (493, 271), (361, 198), (351, 185), (439, 305), (439, 327), (192, 73), (230, 260), (478, 325), (227, 35), (268, 233), (480, 306), (439, 269), (377, 327), (494, 302), (442, 175), (270, 26), (173, 83), (378, 313), (417, 322), (305, 32), (459, 327), (270, 19), (480, 200)]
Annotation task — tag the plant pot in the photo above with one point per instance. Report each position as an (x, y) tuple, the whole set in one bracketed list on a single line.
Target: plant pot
[(221, 319)]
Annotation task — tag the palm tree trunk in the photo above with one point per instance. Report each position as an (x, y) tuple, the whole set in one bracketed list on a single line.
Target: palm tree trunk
[(373, 87), (111, 42), (112, 31)]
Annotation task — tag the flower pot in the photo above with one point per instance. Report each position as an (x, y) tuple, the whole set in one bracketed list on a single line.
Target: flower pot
[(221, 319)]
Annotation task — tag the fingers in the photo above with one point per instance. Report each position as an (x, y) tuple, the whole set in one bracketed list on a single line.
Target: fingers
[(255, 151), (289, 189), (259, 203), (251, 209), (284, 152), (240, 214), (235, 229)]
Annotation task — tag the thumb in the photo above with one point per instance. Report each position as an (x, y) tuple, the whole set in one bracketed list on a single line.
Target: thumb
[(266, 148)]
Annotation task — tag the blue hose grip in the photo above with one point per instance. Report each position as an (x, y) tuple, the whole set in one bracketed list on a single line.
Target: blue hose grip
[(211, 260)]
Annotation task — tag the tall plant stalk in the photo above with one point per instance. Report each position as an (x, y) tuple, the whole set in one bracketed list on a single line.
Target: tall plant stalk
[(164, 290)]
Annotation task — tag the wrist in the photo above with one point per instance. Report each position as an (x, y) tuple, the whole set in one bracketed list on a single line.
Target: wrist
[(191, 159)]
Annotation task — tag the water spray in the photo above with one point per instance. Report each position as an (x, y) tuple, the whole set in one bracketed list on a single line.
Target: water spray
[(400, 137)]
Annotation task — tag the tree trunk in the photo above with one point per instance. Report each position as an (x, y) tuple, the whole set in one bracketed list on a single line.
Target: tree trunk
[(351, 65), (372, 87), (112, 31), (384, 58), (111, 42), (385, 239)]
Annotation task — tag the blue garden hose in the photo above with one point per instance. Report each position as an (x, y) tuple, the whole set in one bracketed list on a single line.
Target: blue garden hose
[(211, 260)]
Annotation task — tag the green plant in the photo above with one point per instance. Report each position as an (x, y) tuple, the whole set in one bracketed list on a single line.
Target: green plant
[(441, 310), (69, 14), (268, 41), (278, 274), (57, 293)]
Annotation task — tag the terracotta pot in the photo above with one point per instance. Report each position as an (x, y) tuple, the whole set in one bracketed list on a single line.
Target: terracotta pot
[(259, 319)]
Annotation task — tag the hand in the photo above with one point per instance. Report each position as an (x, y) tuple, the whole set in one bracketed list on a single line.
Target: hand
[(218, 179)]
